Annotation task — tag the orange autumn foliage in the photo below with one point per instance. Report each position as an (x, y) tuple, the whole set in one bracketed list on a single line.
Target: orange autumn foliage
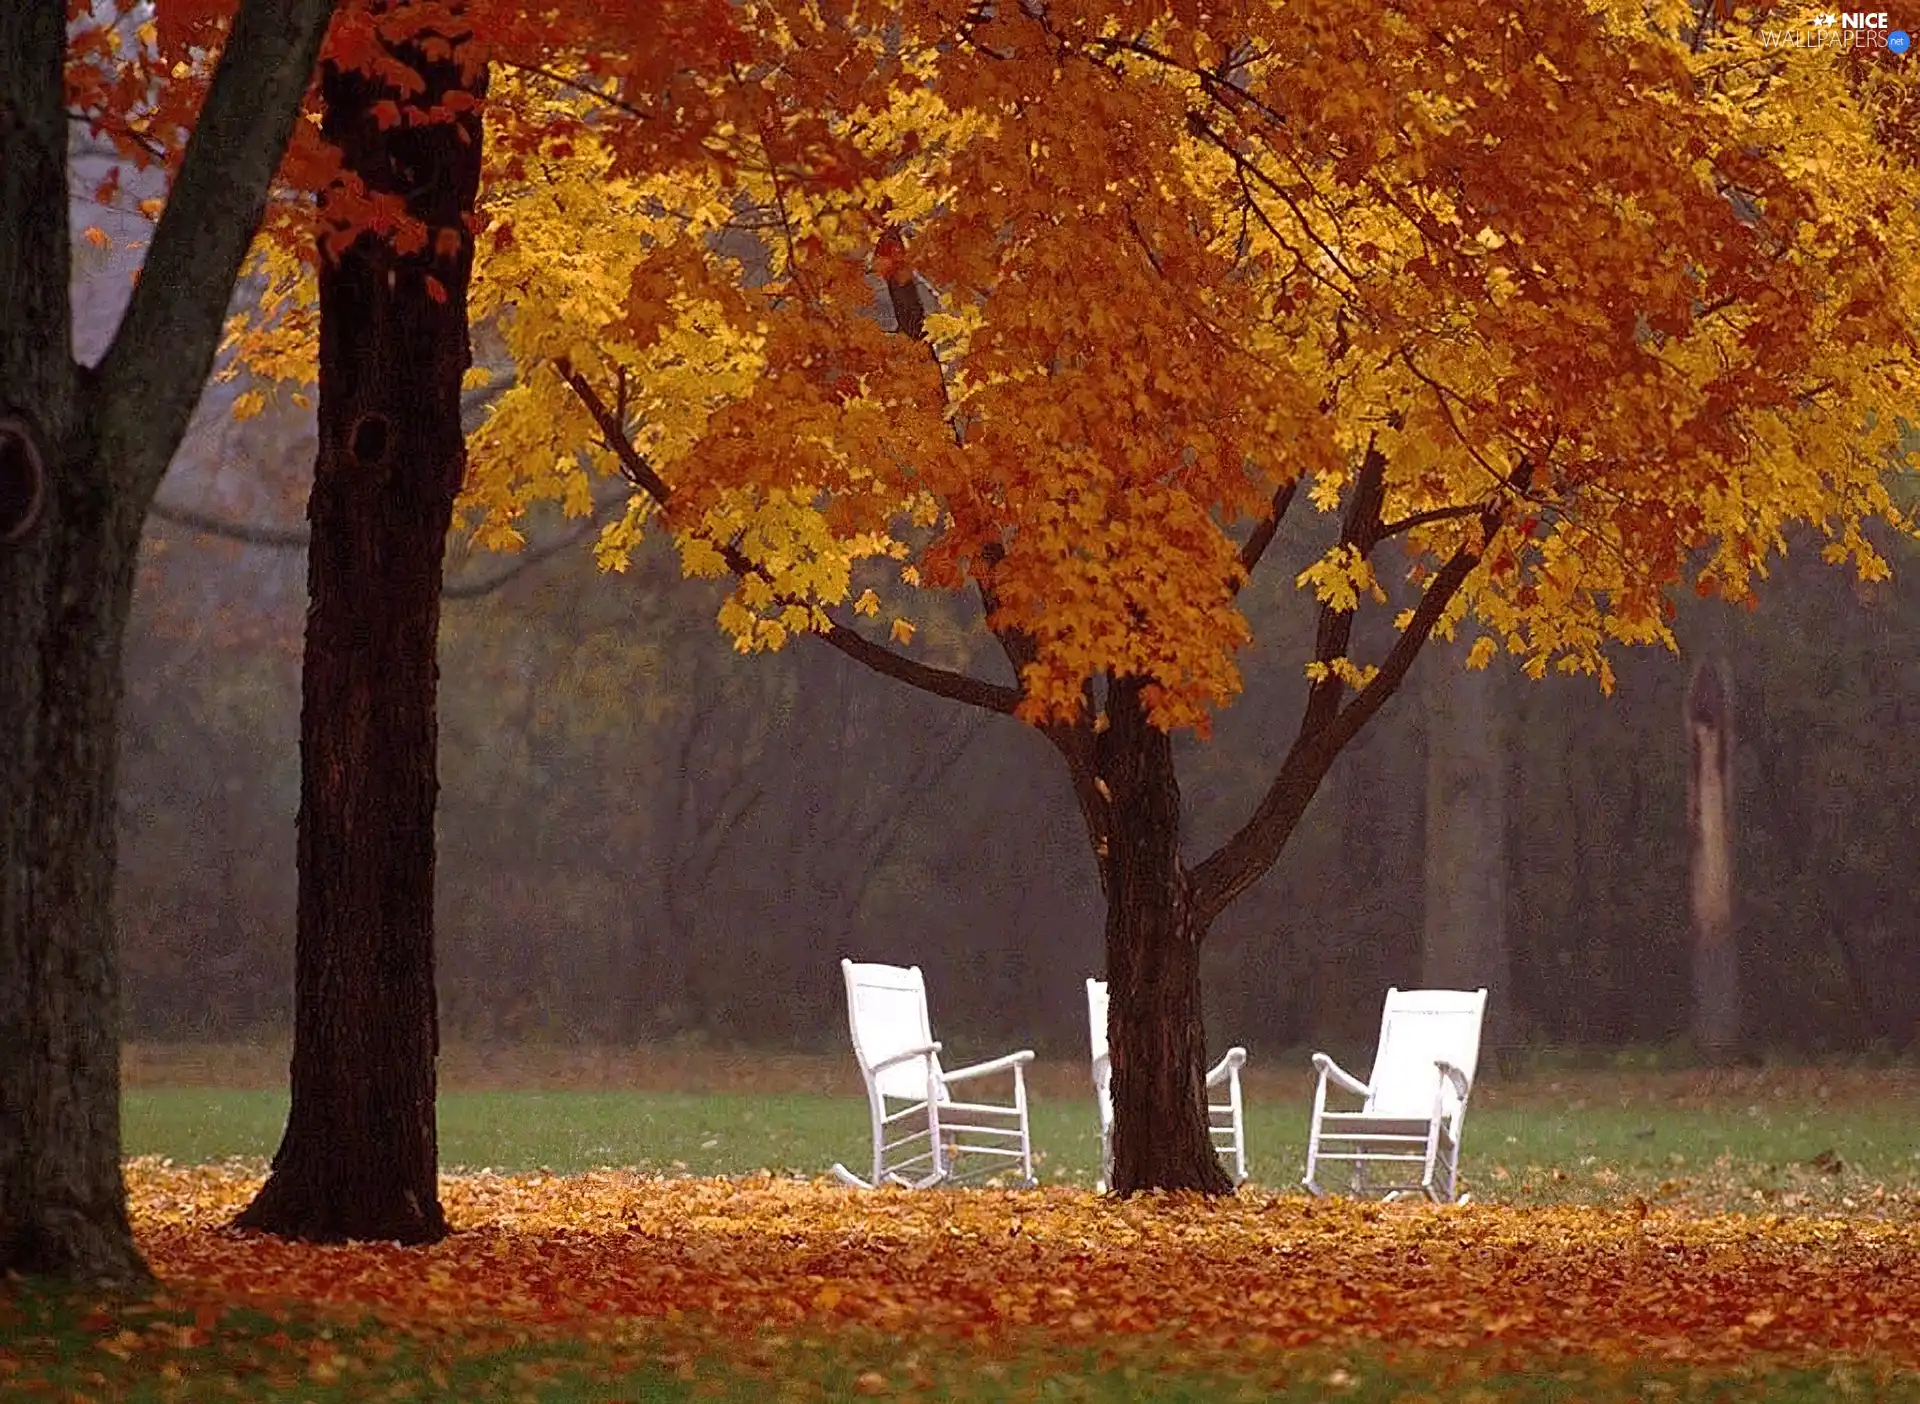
[(1260, 1272), (1612, 308)]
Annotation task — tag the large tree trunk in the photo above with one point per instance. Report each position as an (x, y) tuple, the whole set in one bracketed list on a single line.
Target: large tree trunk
[(81, 452), (1716, 971), (65, 593), (359, 1158), (1464, 931), (67, 551), (1155, 1030)]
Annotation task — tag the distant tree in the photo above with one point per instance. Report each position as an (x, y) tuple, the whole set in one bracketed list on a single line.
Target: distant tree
[(1464, 921), (82, 450), (1710, 849)]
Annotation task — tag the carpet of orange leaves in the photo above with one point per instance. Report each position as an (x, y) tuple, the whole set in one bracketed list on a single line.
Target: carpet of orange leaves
[(580, 1253)]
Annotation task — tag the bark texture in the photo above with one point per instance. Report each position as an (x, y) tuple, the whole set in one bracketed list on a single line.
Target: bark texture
[(1716, 968), (1155, 1030), (359, 1158), (83, 452)]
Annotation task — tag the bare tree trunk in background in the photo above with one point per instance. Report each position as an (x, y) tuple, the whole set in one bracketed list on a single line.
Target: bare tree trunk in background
[(359, 1158), (1464, 931), (1716, 971)]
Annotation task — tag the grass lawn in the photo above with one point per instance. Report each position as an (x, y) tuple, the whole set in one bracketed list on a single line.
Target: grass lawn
[(1759, 1139), (1634, 1236)]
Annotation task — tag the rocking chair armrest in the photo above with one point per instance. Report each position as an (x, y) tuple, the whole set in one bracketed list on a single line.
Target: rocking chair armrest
[(1016, 1061), (906, 1056), (1450, 1073), (1235, 1059), (1331, 1071)]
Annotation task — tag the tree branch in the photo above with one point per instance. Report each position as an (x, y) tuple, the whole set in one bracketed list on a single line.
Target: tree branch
[(941, 682), (1247, 856), (473, 587), (1427, 518), (247, 533), (1334, 633), (1269, 527), (151, 376), (289, 538), (632, 462)]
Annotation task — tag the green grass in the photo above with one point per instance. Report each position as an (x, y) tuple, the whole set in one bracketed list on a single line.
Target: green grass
[(58, 1346), (1530, 1151)]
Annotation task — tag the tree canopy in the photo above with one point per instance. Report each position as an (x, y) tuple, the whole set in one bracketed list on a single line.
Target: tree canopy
[(1073, 301)]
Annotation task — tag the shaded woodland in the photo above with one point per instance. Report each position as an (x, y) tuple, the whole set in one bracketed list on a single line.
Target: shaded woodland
[(645, 836)]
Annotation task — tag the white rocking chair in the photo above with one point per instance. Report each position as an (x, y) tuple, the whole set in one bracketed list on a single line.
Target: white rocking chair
[(932, 1139), (1412, 1107), (1227, 1121)]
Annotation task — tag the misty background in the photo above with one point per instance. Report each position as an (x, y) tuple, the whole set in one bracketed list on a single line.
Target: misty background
[(646, 837)]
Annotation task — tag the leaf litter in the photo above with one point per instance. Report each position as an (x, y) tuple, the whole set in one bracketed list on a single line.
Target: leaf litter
[(588, 1255)]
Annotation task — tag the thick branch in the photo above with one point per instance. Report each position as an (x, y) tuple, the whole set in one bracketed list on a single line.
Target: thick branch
[(1246, 857), (632, 462), (36, 255), (151, 376), (1334, 634), (941, 682), (1075, 742), (1269, 527)]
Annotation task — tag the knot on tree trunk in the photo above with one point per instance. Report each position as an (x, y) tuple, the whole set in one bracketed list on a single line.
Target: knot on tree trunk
[(23, 479)]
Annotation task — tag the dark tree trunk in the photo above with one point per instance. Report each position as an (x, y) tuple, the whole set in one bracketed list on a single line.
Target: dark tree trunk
[(65, 592), (1716, 971), (1155, 1030), (359, 1158), (81, 451), (67, 552)]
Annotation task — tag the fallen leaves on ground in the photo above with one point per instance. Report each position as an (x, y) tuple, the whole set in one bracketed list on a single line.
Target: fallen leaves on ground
[(1251, 1273)]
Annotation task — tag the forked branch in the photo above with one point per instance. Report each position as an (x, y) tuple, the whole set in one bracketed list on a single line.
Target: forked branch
[(1328, 726)]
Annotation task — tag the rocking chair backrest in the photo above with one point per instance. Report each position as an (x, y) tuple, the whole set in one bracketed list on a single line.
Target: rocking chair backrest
[(1097, 1016), (1418, 1028), (887, 1014), (1097, 1035)]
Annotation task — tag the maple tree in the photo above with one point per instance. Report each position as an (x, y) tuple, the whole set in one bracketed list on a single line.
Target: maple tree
[(1082, 307), (401, 88), (82, 450), (404, 82)]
